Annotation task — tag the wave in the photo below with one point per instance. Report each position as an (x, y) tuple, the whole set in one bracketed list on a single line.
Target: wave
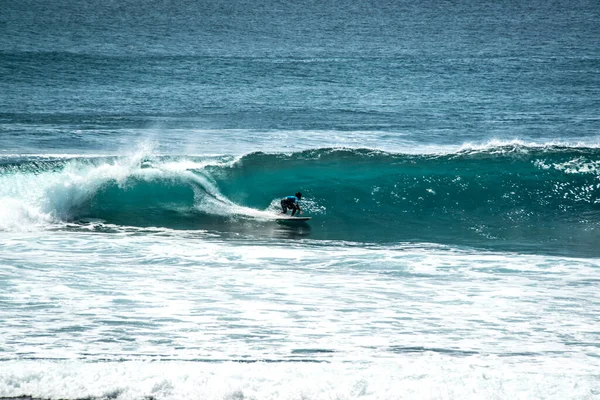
[(510, 193)]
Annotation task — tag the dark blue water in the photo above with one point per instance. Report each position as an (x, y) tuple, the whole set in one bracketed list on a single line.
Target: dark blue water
[(86, 76)]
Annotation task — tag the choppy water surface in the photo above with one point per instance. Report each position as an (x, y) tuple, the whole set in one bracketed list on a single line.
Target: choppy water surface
[(381, 319)]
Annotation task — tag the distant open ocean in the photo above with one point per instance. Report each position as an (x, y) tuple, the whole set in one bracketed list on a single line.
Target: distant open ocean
[(447, 152)]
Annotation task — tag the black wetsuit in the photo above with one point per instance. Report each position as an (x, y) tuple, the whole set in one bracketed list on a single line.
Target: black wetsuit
[(290, 202)]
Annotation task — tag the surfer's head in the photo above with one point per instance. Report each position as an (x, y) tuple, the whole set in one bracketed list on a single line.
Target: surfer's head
[(299, 195)]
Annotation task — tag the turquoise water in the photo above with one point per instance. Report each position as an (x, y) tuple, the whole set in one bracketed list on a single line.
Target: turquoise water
[(448, 155), (514, 198)]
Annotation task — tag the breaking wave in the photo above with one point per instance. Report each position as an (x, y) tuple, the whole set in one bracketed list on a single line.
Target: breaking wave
[(512, 194)]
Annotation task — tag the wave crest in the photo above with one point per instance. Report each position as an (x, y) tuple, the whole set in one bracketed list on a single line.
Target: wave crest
[(549, 193)]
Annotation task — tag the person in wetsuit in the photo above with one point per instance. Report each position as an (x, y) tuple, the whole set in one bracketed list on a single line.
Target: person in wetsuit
[(291, 202)]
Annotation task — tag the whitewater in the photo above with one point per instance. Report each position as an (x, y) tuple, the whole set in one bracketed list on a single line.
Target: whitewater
[(166, 314)]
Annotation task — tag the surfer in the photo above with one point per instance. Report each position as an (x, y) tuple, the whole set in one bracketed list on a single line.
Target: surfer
[(291, 202)]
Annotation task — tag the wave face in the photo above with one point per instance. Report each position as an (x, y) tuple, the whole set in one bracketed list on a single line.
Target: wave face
[(516, 197)]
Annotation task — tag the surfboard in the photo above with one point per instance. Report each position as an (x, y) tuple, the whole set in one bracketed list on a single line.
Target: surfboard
[(292, 218)]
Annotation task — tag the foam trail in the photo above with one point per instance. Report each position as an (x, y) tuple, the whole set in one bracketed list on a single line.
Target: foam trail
[(421, 376)]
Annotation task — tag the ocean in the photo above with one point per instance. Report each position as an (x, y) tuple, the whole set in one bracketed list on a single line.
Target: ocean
[(448, 154)]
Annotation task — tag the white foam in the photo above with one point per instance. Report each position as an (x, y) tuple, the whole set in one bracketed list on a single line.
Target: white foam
[(313, 140), (502, 145), (17, 215), (414, 321), (51, 196), (425, 376), (579, 165), (40, 199)]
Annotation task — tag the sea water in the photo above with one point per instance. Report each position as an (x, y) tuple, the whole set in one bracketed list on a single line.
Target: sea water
[(447, 152)]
